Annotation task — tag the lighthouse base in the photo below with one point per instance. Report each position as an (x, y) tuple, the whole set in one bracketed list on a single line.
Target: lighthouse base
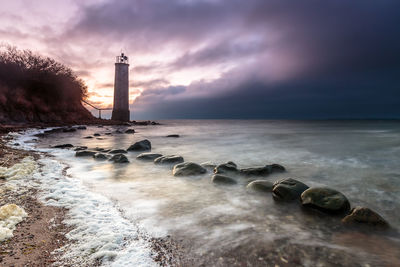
[(120, 115)]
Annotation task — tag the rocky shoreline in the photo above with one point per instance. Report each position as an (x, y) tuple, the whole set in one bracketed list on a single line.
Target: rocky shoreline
[(319, 201)]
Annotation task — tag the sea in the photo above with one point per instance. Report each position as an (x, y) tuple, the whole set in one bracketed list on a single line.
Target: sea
[(139, 214)]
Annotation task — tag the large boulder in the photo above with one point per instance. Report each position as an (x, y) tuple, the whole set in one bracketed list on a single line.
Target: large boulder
[(118, 151), (262, 171), (365, 216), (228, 167), (260, 186), (100, 156), (188, 168), (325, 199), (119, 158), (63, 146), (140, 146), (170, 159), (148, 156), (85, 153), (222, 179), (288, 189)]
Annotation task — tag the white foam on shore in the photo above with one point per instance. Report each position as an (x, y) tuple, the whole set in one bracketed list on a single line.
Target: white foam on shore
[(10, 216), (100, 232), (19, 170)]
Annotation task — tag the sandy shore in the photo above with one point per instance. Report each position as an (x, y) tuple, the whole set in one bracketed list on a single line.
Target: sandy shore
[(36, 237)]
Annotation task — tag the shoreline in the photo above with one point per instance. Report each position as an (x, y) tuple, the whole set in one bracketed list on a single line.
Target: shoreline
[(37, 238), (38, 235)]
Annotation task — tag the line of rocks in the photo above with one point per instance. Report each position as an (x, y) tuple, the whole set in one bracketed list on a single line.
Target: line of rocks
[(322, 199)]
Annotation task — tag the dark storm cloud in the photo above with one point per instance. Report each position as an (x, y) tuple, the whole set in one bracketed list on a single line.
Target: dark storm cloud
[(337, 58)]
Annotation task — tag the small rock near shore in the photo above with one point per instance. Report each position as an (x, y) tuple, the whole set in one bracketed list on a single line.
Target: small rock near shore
[(118, 151), (365, 216), (288, 189), (100, 156), (85, 153), (173, 135), (148, 156), (222, 179), (68, 130), (170, 159), (96, 134), (130, 131), (187, 169), (88, 137), (119, 158), (325, 199), (260, 186), (140, 146), (63, 146), (262, 171), (79, 148), (81, 128), (228, 167)]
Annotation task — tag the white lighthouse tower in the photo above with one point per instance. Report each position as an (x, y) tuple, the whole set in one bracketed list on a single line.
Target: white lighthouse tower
[(121, 89)]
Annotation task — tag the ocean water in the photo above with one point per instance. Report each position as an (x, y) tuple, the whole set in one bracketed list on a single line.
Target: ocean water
[(226, 226)]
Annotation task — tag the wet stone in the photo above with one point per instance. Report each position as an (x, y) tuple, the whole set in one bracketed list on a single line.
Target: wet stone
[(222, 179), (85, 153), (187, 169), (119, 158), (325, 199), (260, 186), (142, 145), (118, 151), (170, 159), (365, 216), (148, 156), (288, 189), (228, 167)]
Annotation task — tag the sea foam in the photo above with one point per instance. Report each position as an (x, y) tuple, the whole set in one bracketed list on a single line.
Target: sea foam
[(99, 230)]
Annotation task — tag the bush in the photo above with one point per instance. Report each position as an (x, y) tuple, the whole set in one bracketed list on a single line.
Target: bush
[(39, 86)]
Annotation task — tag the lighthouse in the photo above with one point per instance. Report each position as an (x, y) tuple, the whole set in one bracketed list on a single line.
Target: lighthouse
[(120, 110)]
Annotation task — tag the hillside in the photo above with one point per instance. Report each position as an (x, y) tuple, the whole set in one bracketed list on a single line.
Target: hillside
[(34, 88)]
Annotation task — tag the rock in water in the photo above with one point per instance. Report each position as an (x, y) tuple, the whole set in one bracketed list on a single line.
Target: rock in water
[(119, 158), (79, 148), (85, 153), (260, 186), (140, 146), (188, 168), (69, 130), (325, 199), (170, 159), (88, 137), (118, 151), (63, 146), (228, 167), (81, 128), (96, 134), (222, 179), (148, 156), (262, 171), (173, 135), (288, 189), (365, 216), (130, 131), (100, 156)]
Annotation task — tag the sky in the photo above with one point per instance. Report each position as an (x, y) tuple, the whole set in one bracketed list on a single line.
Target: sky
[(224, 59)]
